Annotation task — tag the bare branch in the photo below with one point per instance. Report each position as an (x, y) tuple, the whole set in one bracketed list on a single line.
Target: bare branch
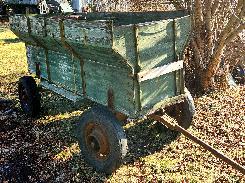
[(208, 25), (215, 6), (197, 54), (237, 15), (198, 15), (234, 33)]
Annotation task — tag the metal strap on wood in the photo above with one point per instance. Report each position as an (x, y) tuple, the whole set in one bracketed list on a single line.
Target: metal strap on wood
[(172, 124)]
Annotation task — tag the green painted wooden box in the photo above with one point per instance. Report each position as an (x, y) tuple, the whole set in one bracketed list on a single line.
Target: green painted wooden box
[(129, 61)]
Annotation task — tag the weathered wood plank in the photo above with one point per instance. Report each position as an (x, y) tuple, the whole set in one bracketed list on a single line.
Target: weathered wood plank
[(156, 90), (18, 23), (100, 78), (63, 92), (96, 33), (124, 43), (155, 43), (100, 55), (36, 55), (37, 26), (53, 28), (62, 70), (159, 71)]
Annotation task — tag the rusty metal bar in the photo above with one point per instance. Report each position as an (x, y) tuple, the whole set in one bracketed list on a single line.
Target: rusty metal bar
[(172, 124)]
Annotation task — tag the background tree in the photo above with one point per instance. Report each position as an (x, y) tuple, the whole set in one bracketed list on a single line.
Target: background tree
[(215, 24)]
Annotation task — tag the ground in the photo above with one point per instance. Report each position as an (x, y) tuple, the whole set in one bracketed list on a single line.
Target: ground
[(46, 149)]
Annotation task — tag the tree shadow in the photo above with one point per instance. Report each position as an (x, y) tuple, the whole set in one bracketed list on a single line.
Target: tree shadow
[(147, 137), (48, 149), (54, 104)]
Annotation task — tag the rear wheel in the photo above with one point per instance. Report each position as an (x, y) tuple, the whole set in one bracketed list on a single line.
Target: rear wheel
[(101, 139), (29, 96), (183, 112)]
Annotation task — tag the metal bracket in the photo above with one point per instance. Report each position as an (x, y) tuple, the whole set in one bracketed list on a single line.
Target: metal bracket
[(110, 100), (38, 70)]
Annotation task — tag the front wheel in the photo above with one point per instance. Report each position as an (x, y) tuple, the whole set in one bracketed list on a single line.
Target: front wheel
[(29, 96), (101, 139)]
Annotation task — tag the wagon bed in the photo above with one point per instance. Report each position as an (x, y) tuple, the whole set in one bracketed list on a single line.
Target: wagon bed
[(129, 61)]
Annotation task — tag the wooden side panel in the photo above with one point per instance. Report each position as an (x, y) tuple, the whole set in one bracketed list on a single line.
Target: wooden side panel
[(89, 40), (36, 55), (100, 55), (62, 70), (100, 78), (96, 33), (156, 44), (124, 43), (37, 25), (182, 32), (19, 25), (53, 39), (53, 28), (156, 90)]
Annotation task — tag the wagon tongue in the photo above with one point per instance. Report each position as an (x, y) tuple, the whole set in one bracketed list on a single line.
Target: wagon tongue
[(172, 124)]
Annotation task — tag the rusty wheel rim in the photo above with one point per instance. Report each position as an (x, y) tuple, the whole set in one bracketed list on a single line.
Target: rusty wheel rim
[(97, 141)]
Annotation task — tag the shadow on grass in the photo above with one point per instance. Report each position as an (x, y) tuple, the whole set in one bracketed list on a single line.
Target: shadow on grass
[(48, 147), (144, 137)]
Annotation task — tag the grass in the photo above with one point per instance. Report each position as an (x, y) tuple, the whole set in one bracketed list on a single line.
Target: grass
[(154, 156)]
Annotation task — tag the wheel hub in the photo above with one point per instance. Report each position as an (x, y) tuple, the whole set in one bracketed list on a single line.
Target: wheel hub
[(97, 141)]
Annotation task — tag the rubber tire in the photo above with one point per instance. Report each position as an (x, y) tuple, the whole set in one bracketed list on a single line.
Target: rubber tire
[(183, 112), (116, 137), (33, 105)]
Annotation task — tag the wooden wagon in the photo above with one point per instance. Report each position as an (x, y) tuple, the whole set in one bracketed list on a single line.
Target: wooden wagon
[(130, 64)]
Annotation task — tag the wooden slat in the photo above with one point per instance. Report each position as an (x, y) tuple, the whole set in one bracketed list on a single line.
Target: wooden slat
[(159, 71), (36, 55), (61, 91), (62, 70), (124, 43), (37, 25)]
